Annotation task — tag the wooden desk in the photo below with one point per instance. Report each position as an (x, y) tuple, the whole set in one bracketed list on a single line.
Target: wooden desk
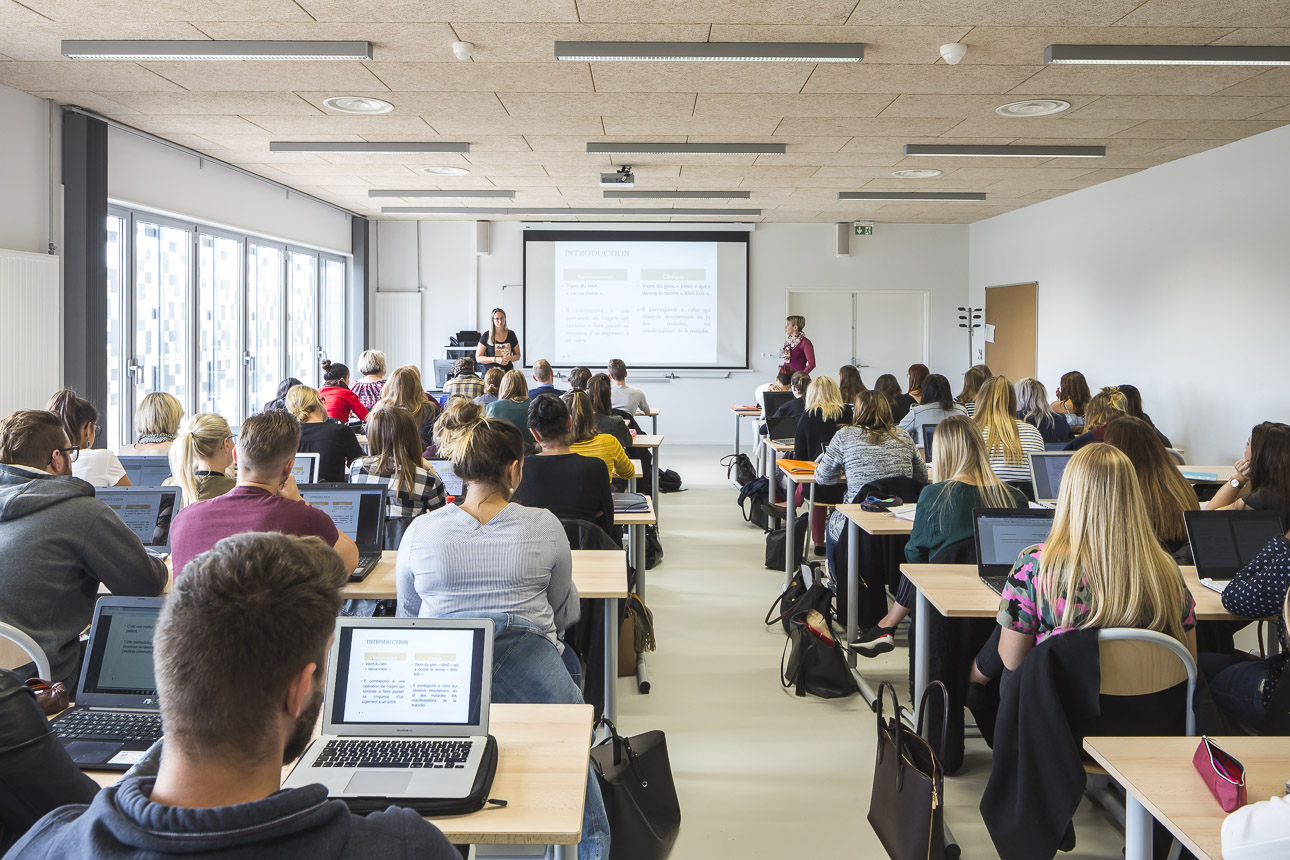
[(637, 472), (740, 413), (541, 773), (1160, 782), (956, 591), (1223, 473), (792, 479), (644, 440)]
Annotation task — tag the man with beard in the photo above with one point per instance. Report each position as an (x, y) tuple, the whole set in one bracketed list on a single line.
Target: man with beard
[(240, 651)]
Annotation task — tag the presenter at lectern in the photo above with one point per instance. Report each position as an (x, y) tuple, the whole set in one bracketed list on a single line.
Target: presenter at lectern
[(798, 352), (498, 346)]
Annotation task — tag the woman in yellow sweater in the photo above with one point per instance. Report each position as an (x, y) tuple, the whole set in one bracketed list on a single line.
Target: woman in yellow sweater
[(589, 443)]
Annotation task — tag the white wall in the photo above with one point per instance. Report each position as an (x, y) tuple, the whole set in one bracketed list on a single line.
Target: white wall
[(783, 256), (24, 172), (156, 176), (1174, 279)]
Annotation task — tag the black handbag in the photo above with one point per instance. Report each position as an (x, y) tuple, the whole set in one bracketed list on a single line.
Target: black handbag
[(810, 665), (800, 597), (472, 802), (640, 797), (906, 808), (777, 539)]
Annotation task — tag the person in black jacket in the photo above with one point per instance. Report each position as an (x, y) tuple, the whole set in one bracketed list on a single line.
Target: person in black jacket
[(824, 413), (568, 485), (1034, 409), (336, 444)]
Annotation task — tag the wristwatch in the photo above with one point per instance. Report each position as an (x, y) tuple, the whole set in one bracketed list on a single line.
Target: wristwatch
[(1235, 483)]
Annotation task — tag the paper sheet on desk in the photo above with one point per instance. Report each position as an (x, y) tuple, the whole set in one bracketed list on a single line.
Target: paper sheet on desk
[(1215, 584), (904, 512)]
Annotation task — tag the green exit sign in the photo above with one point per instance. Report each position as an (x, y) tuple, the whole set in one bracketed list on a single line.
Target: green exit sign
[(862, 228)]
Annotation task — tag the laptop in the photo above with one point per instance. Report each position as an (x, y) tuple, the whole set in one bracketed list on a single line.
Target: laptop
[(452, 485), (772, 400), (305, 468), (406, 710), (928, 431), (1223, 542), (1046, 468), (631, 503), (117, 715), (146, 510), (146, 470), (782, 430), (358, 510), (1001, 535)]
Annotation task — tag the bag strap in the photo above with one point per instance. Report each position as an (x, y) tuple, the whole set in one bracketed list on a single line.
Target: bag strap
[(945, 714), (886, 687)]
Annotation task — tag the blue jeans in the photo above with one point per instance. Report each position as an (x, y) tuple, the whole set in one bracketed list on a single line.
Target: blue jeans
[(528, 669), (1236, 685)]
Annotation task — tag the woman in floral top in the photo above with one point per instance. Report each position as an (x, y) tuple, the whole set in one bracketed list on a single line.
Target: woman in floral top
[(1100, 567)]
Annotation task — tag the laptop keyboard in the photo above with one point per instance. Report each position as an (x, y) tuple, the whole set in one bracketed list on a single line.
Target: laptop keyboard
[(367, 560), (116, 726), (394, 753)]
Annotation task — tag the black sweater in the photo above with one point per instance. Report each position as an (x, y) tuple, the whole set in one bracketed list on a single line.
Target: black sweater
[(570, 486), (336, 446), (814, 433)]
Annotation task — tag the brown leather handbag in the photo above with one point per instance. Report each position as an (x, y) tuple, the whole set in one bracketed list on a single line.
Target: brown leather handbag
[(906, 808), (52, 697)]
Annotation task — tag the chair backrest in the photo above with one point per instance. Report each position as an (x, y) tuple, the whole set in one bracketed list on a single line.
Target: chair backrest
[(1138, 662), (959, 552), (1177, 455), (17, 649), (583, 534)]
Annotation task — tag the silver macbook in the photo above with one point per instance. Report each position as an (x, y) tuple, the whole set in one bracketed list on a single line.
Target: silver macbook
[(146, 510), (305, 468), (146, 470), (1046, 468), (406, 710)]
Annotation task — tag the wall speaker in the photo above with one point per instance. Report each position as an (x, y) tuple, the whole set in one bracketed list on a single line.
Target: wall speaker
[(482, 237), (844, 239)]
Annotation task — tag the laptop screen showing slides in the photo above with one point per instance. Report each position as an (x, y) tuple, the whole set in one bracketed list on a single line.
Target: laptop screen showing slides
[(305, 468), (146, 510), (1001, 535), (356, 510), (1223, 542), (452, 485)]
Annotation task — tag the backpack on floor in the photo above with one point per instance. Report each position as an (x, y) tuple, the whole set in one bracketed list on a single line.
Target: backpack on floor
[(669, 481), (653, 548), (757, 492), (741, 466)]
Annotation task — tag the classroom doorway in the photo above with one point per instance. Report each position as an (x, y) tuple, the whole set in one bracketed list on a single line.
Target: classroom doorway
[(879, 331), (1013, 312)]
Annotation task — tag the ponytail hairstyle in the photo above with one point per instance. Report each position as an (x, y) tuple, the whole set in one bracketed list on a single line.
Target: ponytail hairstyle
[(481, 449), (601, 398), (394, 443), (334, 373), (549, 418), (873, 415), (493, 380), (303, 401), (849, 383), (74, 411), (196, 442), (584, 417), (936, 389), (1107, 405), (996, 414)]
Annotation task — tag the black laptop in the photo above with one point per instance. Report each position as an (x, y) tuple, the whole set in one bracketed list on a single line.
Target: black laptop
[(1001, 535), (772, 400), (358, 510), (929, 430), (146, 510), (146, 470), (782, 429), (117, 715), (1223, 542)]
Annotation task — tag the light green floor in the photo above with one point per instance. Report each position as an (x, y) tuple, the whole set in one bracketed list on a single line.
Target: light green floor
[(760, 772)]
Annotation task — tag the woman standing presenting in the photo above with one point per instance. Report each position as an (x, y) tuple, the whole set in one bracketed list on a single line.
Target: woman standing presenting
[(498, 346), (798, 353)]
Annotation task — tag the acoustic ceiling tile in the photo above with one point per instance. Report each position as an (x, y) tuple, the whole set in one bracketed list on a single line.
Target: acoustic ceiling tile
[(44, 40), (408, 127), (1176, 107), (1199, 129), (405, 11), (484, 77), (403, 42), (1063, 80), (177, 103), (961, 105), (699, 77), (730, 127), (1200, 13), (1256, 36), (578, 143), (427, 104), (104, 77), (136, 11), (906, 45), (1007, 13), (382, 172), (597, 104), (263, 75), (206, 126), (1281, 114), (826, 12), (1005, 45), (111, 107), (934, 80), (470, 126), (1040, 127), (866, 127), (791, 104), (1271, 82)]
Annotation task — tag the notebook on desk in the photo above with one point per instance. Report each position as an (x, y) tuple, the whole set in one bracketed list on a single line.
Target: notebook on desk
[(798, 467), (146, 470), (1223, 542), (358, 510), (406, 710), (147, 511), (1001, 535), (117, 714)]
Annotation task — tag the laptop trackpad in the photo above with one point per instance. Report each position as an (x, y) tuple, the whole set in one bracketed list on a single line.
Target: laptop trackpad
[(369, 783), (92, 752)]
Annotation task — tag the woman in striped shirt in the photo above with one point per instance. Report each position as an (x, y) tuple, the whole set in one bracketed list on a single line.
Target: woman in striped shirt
[(1009, 441)]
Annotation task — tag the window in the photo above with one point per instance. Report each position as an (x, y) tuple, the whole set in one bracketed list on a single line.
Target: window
[(215, 318)]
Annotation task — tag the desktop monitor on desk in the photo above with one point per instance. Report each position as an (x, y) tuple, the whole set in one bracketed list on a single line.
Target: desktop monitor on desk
[(442, 372)]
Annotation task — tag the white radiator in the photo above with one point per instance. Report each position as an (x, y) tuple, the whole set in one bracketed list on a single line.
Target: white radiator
[(398, 329), (31, 349)]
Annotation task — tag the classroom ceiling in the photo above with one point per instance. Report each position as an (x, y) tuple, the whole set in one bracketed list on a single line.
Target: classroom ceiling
[(528, 117)]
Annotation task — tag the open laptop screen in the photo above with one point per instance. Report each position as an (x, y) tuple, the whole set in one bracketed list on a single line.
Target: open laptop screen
[(147, 511), (929, 430), (421, 676), (1047, 469), (1223, 542), (1002, 536), (146, 470), (356, 510), (119, 657), (452, 485), (305, 468)]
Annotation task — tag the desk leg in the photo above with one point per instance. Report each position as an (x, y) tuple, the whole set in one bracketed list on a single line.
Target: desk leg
[(738, 422), (772, 489), (611, 659), (654, 462), (790, 504), (653, 425), (853, 587), (1137, 829), (631, 485), (566, 852), (923, 647)]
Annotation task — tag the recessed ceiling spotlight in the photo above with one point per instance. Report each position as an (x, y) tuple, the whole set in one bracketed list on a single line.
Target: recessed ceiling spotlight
[(443, 171), (1033, 107), (917, 173), (357, 105)]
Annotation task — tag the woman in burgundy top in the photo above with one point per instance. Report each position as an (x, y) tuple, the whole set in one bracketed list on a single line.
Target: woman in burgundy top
[(798, 353), (336, 396)]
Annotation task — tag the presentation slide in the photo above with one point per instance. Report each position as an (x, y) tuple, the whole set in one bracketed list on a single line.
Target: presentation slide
[(342, 506), (409, 676), (127, 653), (661, 299), (139, 511), (1007, 537)]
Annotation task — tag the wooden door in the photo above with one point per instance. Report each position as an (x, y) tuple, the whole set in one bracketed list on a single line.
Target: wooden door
[(1013, 311)]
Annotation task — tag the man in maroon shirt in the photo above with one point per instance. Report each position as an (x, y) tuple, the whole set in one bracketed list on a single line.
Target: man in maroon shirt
[(265, 499)]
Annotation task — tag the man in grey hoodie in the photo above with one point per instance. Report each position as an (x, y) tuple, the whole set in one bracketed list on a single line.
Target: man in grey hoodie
[(58, 542)]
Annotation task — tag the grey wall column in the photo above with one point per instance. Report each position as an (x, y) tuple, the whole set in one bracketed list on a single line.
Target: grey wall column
[(85, 165), (356, 336)]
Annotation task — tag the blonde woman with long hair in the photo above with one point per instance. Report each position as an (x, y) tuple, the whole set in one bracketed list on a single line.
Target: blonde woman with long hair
[(403, 389), (201, 460), (1101, 566), (944, 515), (1107, 405), (1009, 441), (512, 404)]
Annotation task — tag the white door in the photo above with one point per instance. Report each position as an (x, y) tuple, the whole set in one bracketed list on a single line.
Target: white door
[(828, 325), (891, 333)]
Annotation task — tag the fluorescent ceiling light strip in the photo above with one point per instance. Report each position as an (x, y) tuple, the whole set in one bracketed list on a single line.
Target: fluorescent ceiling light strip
[(1168, 55), (365, 147), (685, 149), (911, 195), (1009, 151), (213, 49), (423, 192), (706, 52), (677, 195), (547, 210)]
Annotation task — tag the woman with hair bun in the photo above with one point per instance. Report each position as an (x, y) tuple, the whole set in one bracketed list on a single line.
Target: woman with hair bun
[(568, 485)]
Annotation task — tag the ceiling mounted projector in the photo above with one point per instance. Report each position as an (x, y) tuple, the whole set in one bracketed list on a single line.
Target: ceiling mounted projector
[(624, 178)]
